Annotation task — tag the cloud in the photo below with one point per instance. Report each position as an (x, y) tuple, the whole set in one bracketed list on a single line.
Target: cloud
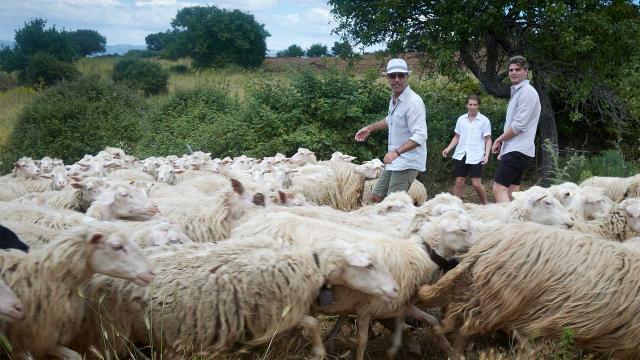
[(290, 20)]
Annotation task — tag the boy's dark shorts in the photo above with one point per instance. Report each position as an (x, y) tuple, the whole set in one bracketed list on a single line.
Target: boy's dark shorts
[(512, 165), (462, 170)]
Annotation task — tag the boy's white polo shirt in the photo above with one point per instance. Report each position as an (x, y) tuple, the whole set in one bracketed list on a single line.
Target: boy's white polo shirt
[(472, 134)]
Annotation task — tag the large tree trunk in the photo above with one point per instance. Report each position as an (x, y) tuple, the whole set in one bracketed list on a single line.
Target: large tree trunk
[(546, 129)]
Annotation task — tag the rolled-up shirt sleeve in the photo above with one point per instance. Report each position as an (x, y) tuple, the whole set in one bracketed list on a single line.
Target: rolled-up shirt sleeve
[(526, 108), (417, 123)]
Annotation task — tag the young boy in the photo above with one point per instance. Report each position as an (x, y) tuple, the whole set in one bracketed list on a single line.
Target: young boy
[(473, 139)]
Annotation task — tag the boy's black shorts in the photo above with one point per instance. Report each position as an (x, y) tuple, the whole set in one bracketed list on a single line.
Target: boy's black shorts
[(512, 165), (462, 170)]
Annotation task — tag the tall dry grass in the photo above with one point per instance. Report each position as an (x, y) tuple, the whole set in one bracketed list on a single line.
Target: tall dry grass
[(11, 103)]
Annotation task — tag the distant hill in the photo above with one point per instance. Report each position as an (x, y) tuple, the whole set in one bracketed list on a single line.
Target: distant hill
[(121, 49)]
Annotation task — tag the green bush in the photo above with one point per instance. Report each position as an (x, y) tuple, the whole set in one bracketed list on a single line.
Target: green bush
[(179, 68), (140, 74), (609, 163), (44, 69), (319, 111), (200, 118), (8, 81), (141, 54), (75, 118)]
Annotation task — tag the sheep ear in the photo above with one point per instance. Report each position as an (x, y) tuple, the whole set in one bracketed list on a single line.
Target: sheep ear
[(357, 258), (631, 208), (76, 185), (282, 197), (96, 238), (178, 171), (237, 186)]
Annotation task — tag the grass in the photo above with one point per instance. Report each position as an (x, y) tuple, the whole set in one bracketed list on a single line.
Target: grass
[(11, 103)]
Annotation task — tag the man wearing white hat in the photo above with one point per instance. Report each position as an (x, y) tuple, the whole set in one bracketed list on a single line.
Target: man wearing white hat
[(406, 121)]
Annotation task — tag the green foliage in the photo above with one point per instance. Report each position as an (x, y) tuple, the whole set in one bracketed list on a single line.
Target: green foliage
[(179, 68), (342, 49), (74, 118), (610, 163), (44, 69), (44, 55), (317, 50), (86, 42), (7, 81), (292, 51), (215, 37), (570, 168), (140, 54), (140, 74), (200, 118)]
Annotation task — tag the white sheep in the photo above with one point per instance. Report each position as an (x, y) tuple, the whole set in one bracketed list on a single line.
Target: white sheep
[(622, 222), (10, 190), (156, 233), (208, 297), (25, 169), (303, 156), (40, 215), (11, 308), (131, 175), (407, 258), (589, 202), (210, 218), (33, 235), (537, 281), (536, 204), (338, 156), (564, 192), (122, 202), (47, 281), (616, 188)]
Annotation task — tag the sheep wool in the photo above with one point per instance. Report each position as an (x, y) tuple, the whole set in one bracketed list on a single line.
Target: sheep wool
[(208, 297), (538, 281)]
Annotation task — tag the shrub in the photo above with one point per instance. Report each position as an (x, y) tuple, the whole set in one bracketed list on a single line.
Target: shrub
[(320, 111), (140, 74), (74, 118), (179, 68), (46, 70), (141, 54), (8, 81), (609, 163), (200, 118)]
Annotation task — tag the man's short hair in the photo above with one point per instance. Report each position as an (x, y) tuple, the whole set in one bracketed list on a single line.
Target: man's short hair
[(475, 97), (520, 61)]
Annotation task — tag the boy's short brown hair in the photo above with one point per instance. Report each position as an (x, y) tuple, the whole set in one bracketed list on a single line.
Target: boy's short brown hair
[(520, 61)]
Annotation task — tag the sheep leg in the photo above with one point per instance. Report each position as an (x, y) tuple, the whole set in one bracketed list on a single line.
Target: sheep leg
[(65, 353), (418, 314), (330, 338), (396, 339), (313, 325), (363, 335), (407, 336)]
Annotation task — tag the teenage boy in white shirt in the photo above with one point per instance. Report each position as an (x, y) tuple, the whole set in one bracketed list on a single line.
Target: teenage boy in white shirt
[(472, 136)]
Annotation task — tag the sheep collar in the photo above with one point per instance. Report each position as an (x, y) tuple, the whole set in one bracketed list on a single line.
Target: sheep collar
[(442, 263)]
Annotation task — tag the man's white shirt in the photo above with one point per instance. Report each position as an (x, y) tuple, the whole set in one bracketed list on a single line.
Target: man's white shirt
[(407, 120), (471, 141)]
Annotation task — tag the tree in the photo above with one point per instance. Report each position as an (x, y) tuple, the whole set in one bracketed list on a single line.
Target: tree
[(317, 50), (86, 42), (34, 38), (292, 51), (342, 49), (569, 45), (215, 37)]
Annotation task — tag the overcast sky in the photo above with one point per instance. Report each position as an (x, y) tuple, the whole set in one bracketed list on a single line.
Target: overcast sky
[(302, 22)]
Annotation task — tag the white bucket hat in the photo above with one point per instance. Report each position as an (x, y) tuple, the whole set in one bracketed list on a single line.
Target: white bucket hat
[(397, 66)]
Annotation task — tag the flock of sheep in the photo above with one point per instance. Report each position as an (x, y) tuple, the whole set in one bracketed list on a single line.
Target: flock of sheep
[(240, 250)]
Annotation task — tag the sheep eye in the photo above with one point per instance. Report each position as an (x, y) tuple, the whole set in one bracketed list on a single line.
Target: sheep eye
[(370, 266), (463, 230), (118, 247)]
